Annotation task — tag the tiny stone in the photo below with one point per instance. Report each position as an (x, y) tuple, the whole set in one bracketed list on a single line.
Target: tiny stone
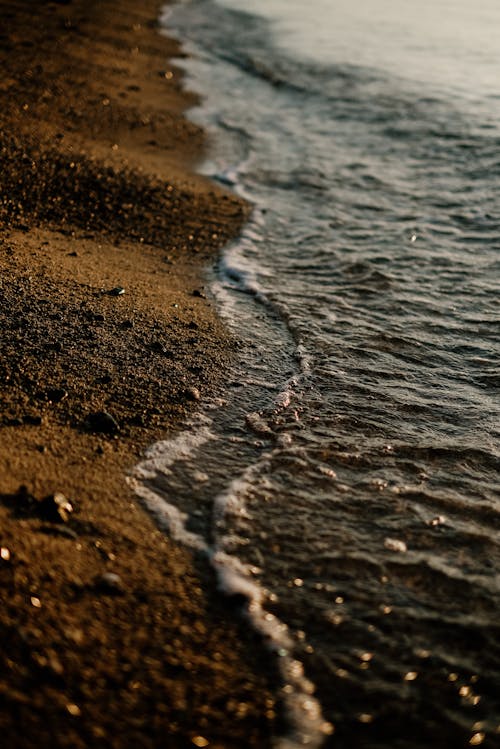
[(73, 710), (110, 582), (102, 423), (193, 394), (5, 554), (55, 508), (200, 741), (394, 544), (117, 291), (56, 395)]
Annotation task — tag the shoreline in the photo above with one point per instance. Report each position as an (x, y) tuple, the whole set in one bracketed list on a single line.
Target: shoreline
[(112, 635)]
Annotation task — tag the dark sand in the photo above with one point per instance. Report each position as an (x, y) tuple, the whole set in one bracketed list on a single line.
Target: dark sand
[(96, 193)]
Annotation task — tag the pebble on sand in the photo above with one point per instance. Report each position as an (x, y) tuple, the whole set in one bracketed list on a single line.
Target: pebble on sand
[(55, 508), (394, 544), (102, 422), (110, 582)]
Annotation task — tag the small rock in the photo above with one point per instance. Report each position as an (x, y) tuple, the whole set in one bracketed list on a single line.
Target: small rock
[(199, 294), (117, 291), (394, 544), (56, 395), (102, 423), (110, 582), (5, 554), (55, 508), (193, 394)]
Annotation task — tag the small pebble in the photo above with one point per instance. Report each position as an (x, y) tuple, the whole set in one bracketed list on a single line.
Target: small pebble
[(394, 544), (117, 291), (102, 422), (56, 395), (200, 741), (73, 710), (110, 582), (55, 508)]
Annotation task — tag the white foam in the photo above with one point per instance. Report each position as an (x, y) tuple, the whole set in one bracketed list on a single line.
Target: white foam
[(306, 723), (168, 517)]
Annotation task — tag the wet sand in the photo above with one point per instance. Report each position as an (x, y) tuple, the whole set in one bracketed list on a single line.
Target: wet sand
[(111, 635)]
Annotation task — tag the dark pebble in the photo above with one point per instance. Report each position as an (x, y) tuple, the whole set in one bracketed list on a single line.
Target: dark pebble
[(56, 395), (117, 291), (110, 583), (102, 423)]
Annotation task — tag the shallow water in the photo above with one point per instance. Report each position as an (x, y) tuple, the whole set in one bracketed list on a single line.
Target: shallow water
[(347, 479)]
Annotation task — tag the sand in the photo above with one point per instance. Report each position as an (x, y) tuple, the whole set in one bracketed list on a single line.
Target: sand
[(98, 196)]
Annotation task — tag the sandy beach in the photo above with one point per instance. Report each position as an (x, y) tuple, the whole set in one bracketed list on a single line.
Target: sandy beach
[(111, 635)]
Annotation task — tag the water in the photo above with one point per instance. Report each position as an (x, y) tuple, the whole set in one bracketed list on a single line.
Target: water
[(346, 481)]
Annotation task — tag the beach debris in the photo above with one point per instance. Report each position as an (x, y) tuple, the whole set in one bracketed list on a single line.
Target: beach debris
[(110, 582), (394, 544), (117, 291), (102, 422), (55, 508)]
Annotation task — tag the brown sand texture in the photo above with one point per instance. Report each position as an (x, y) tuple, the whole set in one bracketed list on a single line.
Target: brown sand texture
[(111, 635)]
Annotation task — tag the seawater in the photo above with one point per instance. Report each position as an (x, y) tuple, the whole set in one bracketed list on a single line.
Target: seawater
[(346, 480)]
